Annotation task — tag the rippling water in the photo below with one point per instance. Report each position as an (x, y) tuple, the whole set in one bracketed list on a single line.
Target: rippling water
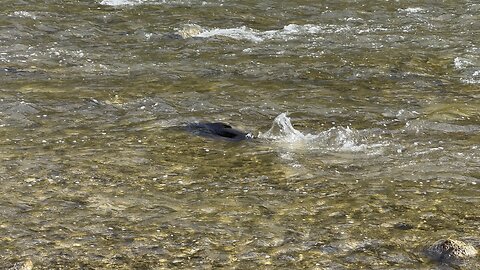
[(366, 117)]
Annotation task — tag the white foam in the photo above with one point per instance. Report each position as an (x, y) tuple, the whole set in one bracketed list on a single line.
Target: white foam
[(157, 2), (24, 14), (345, 139), (472, 80), (238, 33), (461, 63), (288, 32), (123, 2), (469, 68), (412, 10)]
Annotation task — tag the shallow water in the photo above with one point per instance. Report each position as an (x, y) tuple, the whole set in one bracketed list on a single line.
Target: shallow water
[(377, 158)]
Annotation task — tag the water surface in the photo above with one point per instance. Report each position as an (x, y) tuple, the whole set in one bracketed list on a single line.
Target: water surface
[(377, 157)]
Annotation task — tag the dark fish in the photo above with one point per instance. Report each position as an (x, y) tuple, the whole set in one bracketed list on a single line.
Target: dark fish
[(217, 131)]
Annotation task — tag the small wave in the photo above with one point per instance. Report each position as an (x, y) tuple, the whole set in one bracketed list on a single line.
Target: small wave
[(418, 126), (344, 139), (120, 2), (461, 63), (412, 10), (474, 79), (128, 2), (235, 33), (471, 80), (288, 32), (24, 14), (154, 2), (469, 68)]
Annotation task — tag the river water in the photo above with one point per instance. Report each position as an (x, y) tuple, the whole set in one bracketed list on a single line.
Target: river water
[(366, 117)]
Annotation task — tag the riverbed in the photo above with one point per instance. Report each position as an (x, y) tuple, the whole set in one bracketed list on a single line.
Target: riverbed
[(365, 117)]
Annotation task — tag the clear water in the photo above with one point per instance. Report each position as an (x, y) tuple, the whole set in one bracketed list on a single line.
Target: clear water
[(366, 113)]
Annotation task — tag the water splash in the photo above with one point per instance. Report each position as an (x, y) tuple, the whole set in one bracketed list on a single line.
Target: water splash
[(282, 129), (342, 139), (333, 139)]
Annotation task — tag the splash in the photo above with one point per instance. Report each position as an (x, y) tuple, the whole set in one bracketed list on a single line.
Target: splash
[(333, 139), (283, 130), (342, 139)]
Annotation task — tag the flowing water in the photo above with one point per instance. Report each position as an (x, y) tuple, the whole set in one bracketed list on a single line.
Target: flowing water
[(366, 117)]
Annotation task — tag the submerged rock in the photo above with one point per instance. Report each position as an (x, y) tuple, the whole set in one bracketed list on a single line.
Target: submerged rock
[(186, 31), (189, 30), (448, 250)]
